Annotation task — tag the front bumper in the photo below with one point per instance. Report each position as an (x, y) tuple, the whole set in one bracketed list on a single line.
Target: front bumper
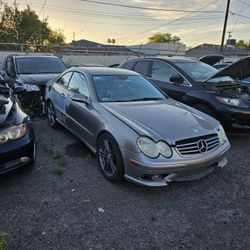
[(235, 118), (19, 153), (176, 169)]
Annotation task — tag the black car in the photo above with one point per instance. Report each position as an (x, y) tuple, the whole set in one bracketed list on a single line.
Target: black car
[(33, 72), (17, 141), (200, 85)]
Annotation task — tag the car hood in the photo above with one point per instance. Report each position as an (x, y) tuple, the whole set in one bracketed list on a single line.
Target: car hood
[(37, 79), (238, 70), (211, 59), (163, 120), (5, 108)]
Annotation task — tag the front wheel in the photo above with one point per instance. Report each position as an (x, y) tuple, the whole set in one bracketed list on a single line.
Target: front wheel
[(110, 158), (52, 115)]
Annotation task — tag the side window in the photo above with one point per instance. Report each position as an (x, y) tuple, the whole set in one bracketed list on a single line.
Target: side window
[(162, 71), (9, 68), (64, 80), (142, 67), (78, 84), (128, 65)]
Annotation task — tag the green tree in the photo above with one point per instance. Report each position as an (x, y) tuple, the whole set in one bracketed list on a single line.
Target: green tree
[(243, 44), (25, 27), (163, 38)]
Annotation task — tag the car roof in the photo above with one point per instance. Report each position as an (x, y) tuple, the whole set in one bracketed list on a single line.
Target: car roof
[(103, 71), (173, 59), (34, 56)]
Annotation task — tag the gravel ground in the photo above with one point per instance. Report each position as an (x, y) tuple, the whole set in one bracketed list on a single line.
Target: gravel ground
[(65, 203)]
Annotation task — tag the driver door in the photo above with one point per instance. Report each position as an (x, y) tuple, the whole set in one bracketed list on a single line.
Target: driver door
[(81, 119), (59, 93), (160, 75)]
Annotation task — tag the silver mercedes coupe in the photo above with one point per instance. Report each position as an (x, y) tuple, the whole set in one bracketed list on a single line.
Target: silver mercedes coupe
[(137, 132)]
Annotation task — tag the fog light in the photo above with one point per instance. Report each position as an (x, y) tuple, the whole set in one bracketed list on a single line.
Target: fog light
[(24, 159), (156, 177)]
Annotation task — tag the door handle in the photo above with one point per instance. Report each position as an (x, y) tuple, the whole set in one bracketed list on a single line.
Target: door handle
[(62, 95)]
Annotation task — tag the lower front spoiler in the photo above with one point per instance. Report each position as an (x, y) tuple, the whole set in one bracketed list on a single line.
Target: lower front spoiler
[(159, 178), (13, 165)]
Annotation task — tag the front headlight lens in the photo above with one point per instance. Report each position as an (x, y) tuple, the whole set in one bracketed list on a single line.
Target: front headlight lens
[(148, 147), (13, 133), (164, 149), (152, 149), (222, 135), (232, 101)]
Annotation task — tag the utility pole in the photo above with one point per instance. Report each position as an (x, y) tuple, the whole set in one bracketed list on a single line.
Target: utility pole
[(225, 26)]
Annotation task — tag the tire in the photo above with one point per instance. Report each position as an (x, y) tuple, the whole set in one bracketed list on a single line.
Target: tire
[(52, 119), (205, 109), (109, 158)]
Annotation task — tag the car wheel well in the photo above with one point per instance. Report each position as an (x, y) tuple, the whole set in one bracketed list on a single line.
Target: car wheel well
[(100, 134)]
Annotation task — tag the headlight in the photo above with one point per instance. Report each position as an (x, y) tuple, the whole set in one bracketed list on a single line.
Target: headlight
[(222, 135), (231, 101), (31, 87), (13, 133), (152, 149)]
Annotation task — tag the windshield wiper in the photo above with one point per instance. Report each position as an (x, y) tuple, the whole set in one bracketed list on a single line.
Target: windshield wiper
[(146, 99)]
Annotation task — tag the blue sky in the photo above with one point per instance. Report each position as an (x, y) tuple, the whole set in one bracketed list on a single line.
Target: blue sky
[(133, 26)]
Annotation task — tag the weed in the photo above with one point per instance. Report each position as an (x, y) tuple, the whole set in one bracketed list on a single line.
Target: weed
[(59, 171), (62, 163), (57, 154), (3, 241)]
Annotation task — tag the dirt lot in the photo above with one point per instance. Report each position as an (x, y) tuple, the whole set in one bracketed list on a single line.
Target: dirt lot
[(65, 203)]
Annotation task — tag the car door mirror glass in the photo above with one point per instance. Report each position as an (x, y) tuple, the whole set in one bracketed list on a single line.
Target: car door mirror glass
[(176, 79), (80, 98)]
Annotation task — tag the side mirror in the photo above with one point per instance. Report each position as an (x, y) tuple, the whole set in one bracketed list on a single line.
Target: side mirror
[(80, 98), (177, 79), (19, 89)]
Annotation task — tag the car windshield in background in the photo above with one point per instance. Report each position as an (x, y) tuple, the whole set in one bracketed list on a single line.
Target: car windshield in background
[(119, 88), (39, 65), (198, 71)]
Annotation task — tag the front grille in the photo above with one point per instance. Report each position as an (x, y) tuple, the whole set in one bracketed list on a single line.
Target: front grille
[(197, 145)]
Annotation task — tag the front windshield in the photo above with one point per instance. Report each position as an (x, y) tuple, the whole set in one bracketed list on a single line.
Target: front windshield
[(120, 88), (198, 71), (39, 65)]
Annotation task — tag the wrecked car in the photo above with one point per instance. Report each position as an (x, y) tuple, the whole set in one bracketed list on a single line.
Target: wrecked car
[(201, 86), (33, 72), (17, 141)]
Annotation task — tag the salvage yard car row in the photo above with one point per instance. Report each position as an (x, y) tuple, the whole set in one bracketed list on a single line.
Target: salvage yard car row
[(132, 123)]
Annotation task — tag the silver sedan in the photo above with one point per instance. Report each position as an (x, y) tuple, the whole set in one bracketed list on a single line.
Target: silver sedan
[(137, 132)]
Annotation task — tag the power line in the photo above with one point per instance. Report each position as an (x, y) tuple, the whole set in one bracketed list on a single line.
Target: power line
[(152, 9), (244, 3), (237, 14), (238, 17), (129, 24), (42, 7), (172, 21)]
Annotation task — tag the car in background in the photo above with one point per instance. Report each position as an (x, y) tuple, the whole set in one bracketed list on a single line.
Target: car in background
[(17, 141), (136, 131), (215, 61), (211, 59), (199, 85), (33, 72)]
